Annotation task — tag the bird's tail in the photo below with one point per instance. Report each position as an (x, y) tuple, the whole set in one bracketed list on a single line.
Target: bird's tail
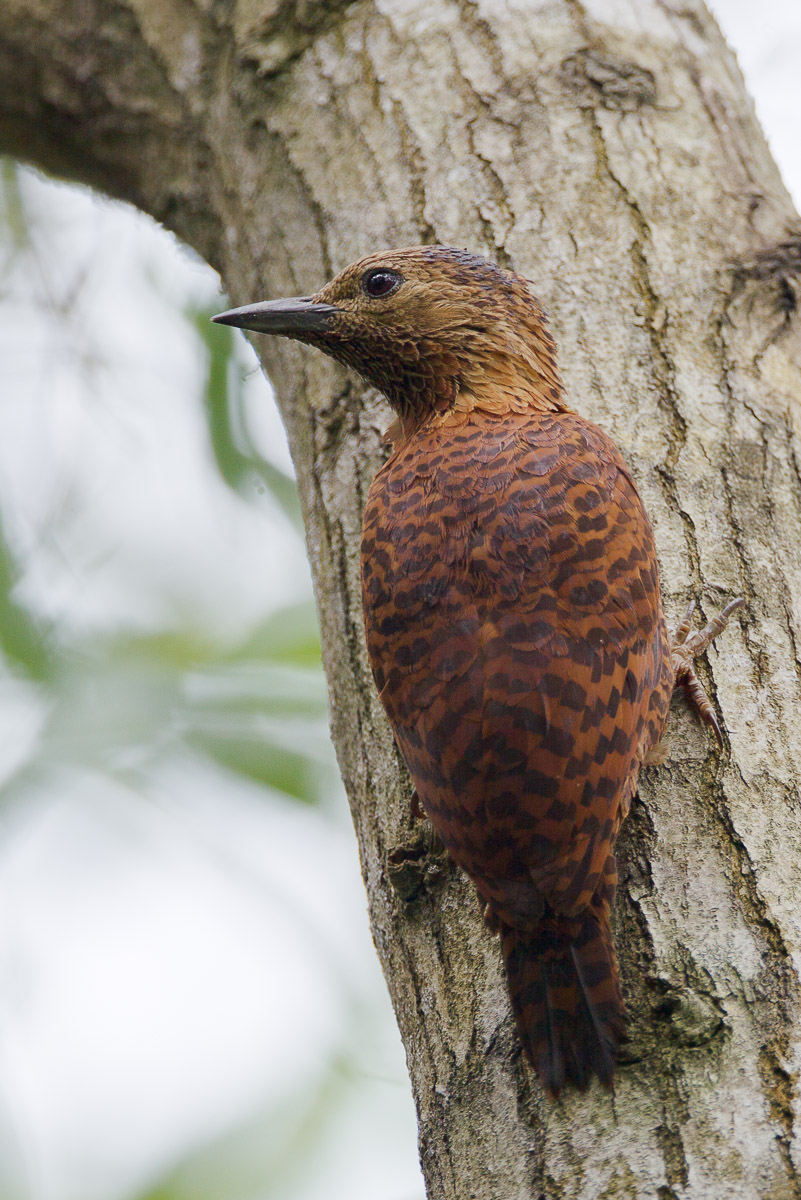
[(566, 996)]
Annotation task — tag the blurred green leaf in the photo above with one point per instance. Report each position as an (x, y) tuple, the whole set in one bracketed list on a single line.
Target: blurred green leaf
[(258, 687), (290, 634), (269, 764), (107, 713), (221, 381), (264, 1158), (225, 412), (13, 218), (259, 709), (21, 640)]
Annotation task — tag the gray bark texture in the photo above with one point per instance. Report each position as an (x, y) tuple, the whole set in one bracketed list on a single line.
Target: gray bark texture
[(607, 150)]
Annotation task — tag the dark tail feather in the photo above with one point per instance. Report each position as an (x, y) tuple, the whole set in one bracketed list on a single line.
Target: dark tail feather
[(566, 997)]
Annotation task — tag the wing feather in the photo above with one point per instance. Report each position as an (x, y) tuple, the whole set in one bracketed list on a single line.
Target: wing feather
[(516, 634)]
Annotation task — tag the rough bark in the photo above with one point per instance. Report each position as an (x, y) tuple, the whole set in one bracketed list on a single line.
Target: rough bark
[(607, 149)]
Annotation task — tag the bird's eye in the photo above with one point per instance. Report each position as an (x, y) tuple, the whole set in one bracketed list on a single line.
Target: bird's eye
[(381, 282)]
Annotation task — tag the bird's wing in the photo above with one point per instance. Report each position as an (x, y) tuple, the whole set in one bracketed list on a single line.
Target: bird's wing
[(516, 634)]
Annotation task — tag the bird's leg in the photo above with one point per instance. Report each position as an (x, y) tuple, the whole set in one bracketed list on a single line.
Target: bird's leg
[(416, 807), (685, 648)]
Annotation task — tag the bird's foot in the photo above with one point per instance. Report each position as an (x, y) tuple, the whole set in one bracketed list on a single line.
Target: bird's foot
[(686, 647), (417, 809)]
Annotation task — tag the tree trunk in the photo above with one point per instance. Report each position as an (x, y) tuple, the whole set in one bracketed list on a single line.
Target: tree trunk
[(607, 150)]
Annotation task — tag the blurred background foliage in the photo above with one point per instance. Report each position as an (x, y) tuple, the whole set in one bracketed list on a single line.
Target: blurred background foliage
[(189, 1003)]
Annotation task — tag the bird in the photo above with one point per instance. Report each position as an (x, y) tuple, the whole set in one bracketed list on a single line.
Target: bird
[(513, 618)]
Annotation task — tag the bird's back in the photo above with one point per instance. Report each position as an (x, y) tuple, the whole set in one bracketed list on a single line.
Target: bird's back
[(516, 633)]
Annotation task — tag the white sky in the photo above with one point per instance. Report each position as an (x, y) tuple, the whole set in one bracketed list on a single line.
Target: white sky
[(141, 936)]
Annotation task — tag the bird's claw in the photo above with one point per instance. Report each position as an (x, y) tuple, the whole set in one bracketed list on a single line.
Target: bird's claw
[(683, 628), (686, 647)]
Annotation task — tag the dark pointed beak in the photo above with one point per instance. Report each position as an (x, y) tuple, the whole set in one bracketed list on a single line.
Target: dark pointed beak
[(300, 315)]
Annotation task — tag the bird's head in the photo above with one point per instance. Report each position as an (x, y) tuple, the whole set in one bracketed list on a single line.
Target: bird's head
[(431, 327)]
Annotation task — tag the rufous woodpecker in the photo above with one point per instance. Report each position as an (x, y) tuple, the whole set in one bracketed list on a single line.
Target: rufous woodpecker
[(513, 616)]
